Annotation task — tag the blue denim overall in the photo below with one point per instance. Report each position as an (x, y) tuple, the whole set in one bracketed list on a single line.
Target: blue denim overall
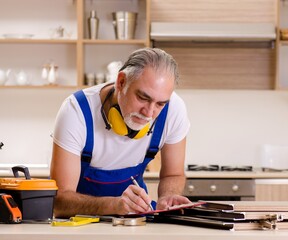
[(99, 182)]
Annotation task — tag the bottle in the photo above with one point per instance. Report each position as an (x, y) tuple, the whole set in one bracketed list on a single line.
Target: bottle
[(52, 75), (93, 24)]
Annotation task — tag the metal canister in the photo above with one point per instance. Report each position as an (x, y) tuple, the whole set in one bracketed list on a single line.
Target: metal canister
[(124, 24)]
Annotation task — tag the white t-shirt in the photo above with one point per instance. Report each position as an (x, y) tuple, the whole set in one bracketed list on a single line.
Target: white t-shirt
[(112, 151)]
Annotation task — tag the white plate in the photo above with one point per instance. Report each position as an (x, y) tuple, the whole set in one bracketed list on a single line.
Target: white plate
[(18, 36)]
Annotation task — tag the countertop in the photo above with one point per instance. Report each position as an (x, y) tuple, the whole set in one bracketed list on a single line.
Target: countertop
[(151, 231), (34, 172), (218, 174), (257, 174)]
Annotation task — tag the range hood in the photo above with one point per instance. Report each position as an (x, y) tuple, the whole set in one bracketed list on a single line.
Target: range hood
[(185, 31)]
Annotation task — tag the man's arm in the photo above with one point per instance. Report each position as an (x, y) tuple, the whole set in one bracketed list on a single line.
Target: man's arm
[(172, 175), (66, 168)]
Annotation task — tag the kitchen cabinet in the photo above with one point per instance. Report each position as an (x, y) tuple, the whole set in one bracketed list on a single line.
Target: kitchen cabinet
[(224, 63), (282, 46), (152, 187), (37, 34), (271, 190)]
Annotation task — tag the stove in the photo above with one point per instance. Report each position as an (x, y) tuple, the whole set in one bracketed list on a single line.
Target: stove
[(192, 167), (220, 189)]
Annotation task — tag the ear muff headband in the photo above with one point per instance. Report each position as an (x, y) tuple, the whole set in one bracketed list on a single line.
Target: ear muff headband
[(143, 131), (107, 124)]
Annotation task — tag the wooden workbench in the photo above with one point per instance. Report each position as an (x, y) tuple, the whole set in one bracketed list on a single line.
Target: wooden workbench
[(151, 231)]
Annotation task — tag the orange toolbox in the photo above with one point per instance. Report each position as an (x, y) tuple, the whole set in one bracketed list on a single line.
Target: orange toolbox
[(34, 197)]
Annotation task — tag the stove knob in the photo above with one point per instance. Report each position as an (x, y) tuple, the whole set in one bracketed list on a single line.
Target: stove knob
[(213, 188), (191, 188), (235, 188)]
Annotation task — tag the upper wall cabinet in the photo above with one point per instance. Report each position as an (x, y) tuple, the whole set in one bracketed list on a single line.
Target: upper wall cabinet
[(47, 43), (218, 44)]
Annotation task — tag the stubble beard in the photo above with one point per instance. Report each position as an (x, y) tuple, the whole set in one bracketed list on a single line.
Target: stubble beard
[(128, 119)]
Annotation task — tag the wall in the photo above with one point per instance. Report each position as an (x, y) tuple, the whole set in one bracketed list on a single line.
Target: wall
[(26, 122), (230, 127), (227, 127)]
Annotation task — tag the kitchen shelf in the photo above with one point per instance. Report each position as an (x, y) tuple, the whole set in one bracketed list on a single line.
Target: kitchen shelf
[(247, 64), (130, 42), (33, 41), (98, 53), (38, 87), (72, 53)]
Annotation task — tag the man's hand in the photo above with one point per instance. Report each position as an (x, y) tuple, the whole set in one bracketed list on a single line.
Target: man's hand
[(165, 202), (133, 200)]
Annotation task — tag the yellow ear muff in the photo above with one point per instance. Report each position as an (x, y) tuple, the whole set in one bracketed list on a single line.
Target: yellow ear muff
[(116, 121), (143, 131), (119, 126)]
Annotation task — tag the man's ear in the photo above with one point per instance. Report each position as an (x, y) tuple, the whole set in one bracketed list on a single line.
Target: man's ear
[(121, 81)]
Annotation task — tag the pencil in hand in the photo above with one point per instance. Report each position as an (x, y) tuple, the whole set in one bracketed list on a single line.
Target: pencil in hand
[(136, 184)]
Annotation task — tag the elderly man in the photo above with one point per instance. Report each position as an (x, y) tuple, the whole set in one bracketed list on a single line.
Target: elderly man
[(108, 133)]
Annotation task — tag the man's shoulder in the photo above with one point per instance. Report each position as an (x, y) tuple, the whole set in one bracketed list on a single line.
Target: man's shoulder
[(176, 101), (91, 94)]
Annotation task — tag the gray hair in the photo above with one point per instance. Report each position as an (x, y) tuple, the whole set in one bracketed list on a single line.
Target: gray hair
[(149, 57)]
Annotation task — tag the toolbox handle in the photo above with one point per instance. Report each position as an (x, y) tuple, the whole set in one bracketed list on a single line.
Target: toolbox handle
[(22, 169)]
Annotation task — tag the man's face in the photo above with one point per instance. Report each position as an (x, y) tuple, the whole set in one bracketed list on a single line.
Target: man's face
[(145, 97)]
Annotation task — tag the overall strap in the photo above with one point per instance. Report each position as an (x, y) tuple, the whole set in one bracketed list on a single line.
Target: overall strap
[(157, 134), (86, 154)]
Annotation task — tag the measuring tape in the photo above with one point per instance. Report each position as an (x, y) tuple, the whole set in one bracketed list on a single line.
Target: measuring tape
[(79, 220), (74, 221), (9, 211)]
